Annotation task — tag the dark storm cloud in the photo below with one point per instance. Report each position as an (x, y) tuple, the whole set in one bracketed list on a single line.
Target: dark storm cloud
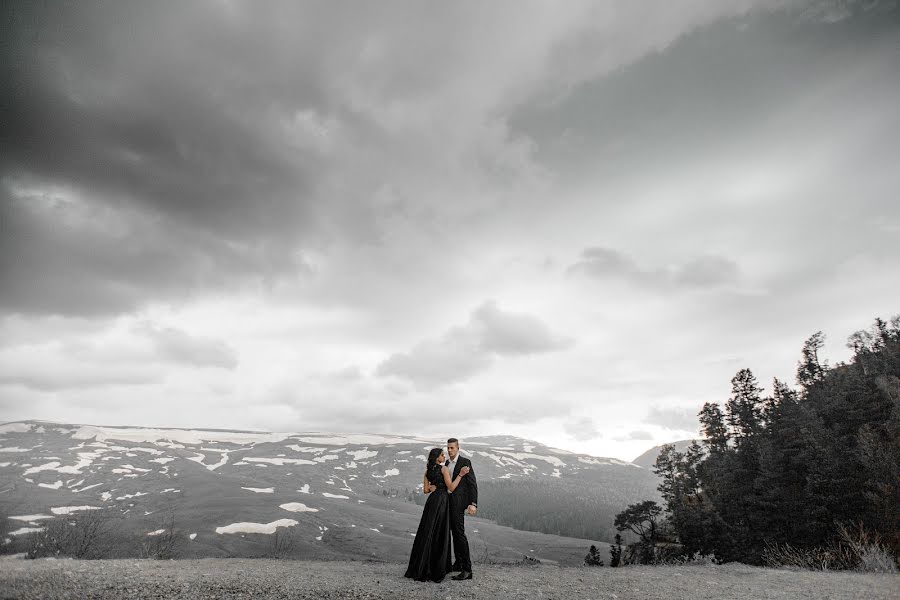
[(169, 120), (64, 256), (700, 272), (466, 350), (718, 92)]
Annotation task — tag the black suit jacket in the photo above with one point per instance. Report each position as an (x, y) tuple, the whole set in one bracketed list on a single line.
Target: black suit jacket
[(466, 492)]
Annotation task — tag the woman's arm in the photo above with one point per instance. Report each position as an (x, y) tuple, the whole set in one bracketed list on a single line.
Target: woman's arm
[(426, 485), (451, 485)]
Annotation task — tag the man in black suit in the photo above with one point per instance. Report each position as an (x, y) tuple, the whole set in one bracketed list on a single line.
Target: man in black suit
[(464, 499)]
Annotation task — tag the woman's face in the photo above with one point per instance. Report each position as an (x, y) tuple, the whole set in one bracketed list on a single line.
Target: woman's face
[(440, 459)]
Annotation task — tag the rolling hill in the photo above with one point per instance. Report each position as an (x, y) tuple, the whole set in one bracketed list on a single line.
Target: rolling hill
[(337, 496)]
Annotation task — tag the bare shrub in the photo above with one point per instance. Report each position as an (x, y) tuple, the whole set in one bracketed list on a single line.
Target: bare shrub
[(87, 534), (282, 543), (163, 543), (696, 559), (819, 558), (485, 557), (856, 549), (871, 554), (528, 561)]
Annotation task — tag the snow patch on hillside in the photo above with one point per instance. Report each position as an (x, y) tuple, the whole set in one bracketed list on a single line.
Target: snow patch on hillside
[(297, 507), (279, 461), (366, 453), (527, 455), (246, 527), (65, 510), (184, 436)]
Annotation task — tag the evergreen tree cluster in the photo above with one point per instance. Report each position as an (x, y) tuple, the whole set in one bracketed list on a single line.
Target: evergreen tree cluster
[(792, 467)]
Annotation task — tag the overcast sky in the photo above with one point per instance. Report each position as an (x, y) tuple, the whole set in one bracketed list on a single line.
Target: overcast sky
[(568, 221)]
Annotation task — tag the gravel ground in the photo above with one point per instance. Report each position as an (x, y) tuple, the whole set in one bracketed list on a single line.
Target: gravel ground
[(263, 578)]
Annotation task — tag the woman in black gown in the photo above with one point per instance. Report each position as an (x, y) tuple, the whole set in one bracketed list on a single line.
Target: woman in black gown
[(430, 556)]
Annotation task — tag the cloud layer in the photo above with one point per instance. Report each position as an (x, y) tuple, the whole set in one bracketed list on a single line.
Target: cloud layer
[(314, 216)]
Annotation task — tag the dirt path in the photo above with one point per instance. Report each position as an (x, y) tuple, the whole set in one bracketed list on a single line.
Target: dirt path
[(247, 578)]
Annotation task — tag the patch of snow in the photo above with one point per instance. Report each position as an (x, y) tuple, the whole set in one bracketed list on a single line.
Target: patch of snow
[(375, 530), (87, 487), (52, 486), (134, 495), (321, 459), (5, 464), (304, 489), (404, 452), (357, 439), (162, 461), (105, 496), (15, 428), (121, 471), (184, 436), (389, 473), (307, 449), (169, 490), (30, 518), (297, 507), (268, 528), (493, 457), (239, 463), (133, 468), (556, 462), (157, 532), (361, 454), (65, 510), (24, 530), (192, 536), (327, 495), (260, 490), (199, 459), (281, 461)]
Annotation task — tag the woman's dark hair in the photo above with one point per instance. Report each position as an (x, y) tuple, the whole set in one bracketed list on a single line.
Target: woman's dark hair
[(432, 460)]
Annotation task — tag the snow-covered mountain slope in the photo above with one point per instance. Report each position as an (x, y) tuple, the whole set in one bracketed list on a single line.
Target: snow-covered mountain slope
[(339, 495)]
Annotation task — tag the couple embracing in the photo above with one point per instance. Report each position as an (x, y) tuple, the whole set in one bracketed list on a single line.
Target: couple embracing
[(453, 491)]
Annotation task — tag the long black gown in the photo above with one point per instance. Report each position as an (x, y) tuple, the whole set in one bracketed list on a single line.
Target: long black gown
[(430, 556)]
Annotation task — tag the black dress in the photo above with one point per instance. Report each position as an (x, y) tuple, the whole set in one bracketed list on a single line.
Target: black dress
[(430, 556)]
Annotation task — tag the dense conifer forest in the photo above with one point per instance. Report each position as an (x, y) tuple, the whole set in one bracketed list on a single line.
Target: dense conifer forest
[(805, 471)]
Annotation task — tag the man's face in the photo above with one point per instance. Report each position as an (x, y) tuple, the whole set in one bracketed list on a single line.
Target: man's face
[(453, 450)]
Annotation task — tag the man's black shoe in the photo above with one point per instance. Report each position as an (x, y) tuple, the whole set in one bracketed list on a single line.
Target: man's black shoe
[(463, 575)]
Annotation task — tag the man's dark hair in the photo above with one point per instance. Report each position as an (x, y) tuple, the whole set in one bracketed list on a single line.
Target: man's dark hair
[(453, 441)]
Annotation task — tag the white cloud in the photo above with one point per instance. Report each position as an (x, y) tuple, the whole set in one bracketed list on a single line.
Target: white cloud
[(466, 350)]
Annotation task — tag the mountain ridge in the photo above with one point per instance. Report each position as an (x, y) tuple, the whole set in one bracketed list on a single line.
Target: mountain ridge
[(234, 488)]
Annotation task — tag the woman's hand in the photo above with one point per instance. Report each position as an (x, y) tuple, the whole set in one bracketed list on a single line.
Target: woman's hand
[(464, 471)]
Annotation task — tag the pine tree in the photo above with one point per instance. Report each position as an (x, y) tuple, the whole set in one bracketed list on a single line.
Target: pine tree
[(592, 559), (615, 552)]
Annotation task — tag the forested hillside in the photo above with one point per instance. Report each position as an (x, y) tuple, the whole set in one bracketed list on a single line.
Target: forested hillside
[(803, 469)]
